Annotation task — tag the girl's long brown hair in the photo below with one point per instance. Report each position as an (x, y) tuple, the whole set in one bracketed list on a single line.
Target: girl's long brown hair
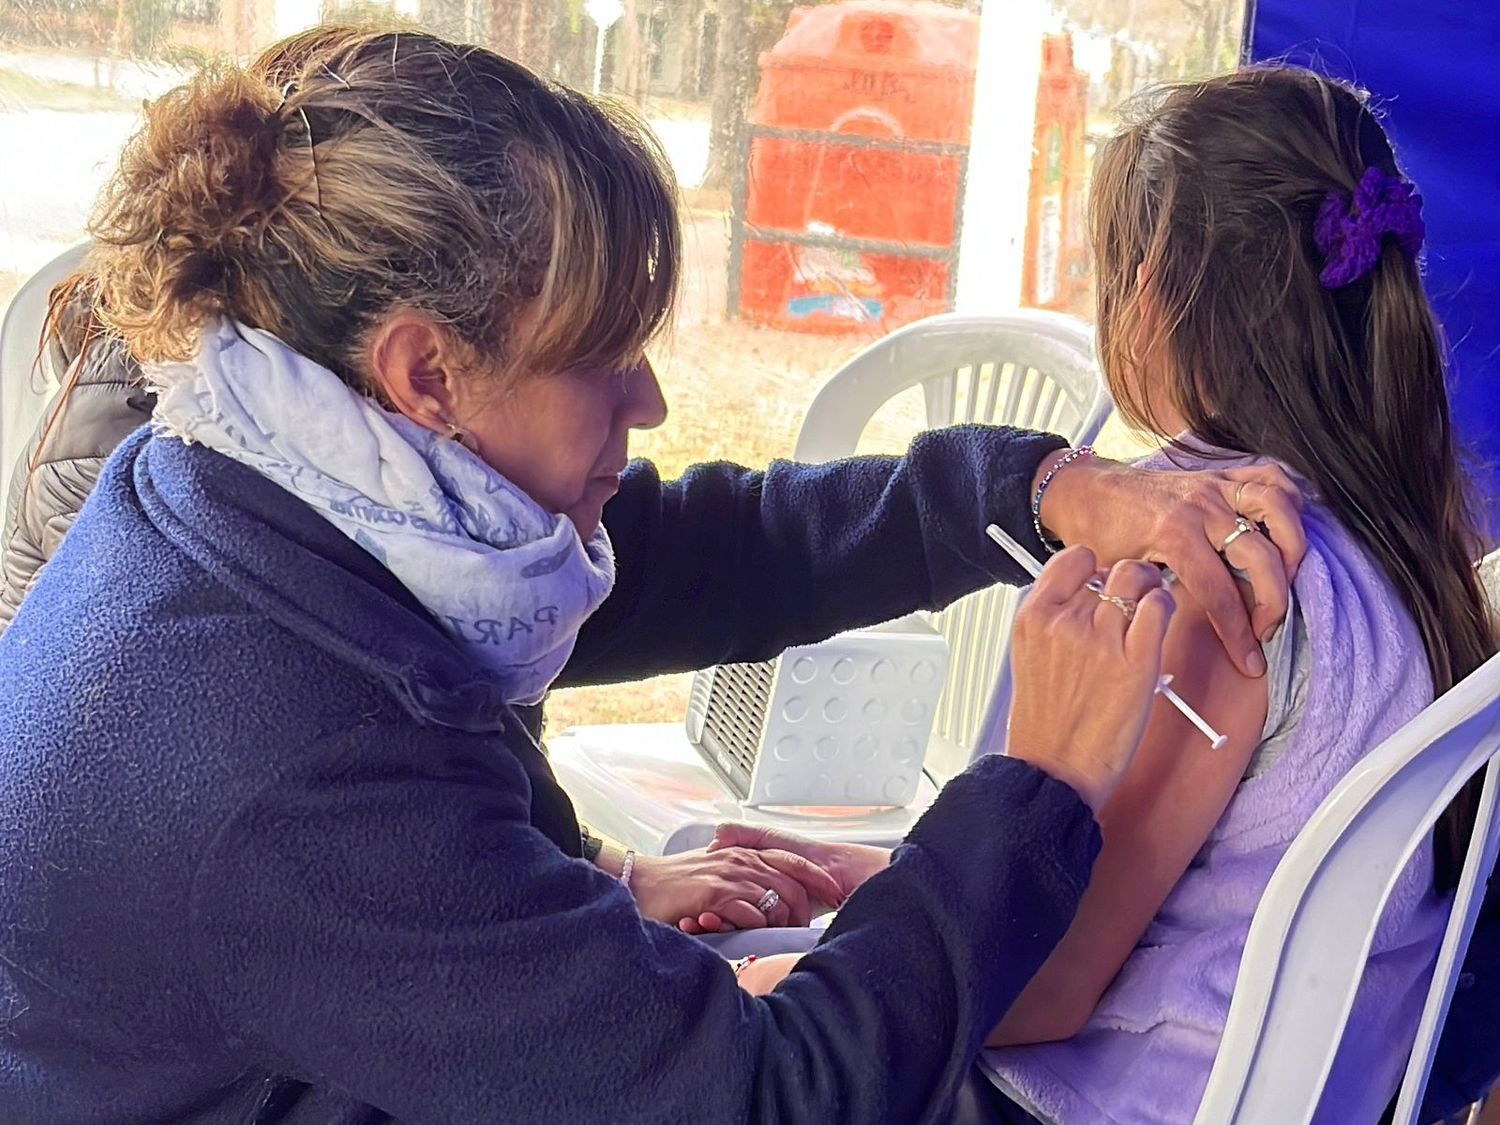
[(1202, 219)]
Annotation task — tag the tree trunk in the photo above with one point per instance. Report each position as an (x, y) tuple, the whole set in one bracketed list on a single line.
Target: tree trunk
[(504, 37), (535, 35), (445, 17), (629, 50), (572, 48), (1213, 45), (117, 40), (734, 82)]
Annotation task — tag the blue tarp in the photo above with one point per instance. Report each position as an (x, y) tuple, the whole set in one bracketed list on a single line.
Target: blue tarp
[(1435, 67)]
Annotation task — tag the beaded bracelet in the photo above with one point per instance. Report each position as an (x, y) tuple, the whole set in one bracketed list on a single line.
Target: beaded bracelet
[(1036, 501), (627, 867)]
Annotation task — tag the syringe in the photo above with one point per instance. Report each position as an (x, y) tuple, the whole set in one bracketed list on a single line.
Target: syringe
[(1028, 562)]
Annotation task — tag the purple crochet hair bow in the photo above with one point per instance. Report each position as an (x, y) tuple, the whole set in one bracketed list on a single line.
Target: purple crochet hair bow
[(1349, 230)]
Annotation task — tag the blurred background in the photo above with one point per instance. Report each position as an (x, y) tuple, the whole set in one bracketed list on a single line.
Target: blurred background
[(845, 167)]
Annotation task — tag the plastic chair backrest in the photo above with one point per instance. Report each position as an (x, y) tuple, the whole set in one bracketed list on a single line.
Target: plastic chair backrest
[(1311, 935), (1030, 369), (24, 386)]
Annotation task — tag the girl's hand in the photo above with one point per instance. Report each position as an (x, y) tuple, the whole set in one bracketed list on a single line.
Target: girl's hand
[(765, 973), (849, 864), (1086, 670)]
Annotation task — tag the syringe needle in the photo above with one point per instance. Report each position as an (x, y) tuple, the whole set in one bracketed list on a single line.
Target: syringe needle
[(1163, 687), (1028, 562)]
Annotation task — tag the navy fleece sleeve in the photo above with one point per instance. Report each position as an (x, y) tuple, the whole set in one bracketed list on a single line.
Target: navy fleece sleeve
[(1467, 1065), (412, 941), (729, 565)]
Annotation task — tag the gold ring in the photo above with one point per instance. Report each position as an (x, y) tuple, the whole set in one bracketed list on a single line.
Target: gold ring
[(1242, 526), (1239, 493)]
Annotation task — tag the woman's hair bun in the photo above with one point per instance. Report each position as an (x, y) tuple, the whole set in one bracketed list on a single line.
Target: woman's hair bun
[(352, 171), (186, 211)]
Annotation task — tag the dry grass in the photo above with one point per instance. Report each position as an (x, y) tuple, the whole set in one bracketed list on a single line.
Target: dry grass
[(20, 91)]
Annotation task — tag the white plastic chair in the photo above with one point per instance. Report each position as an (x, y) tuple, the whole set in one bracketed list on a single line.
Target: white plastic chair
[(1489, 578), (25, 385), (647, 787), (1030, 369), (1311, 934)]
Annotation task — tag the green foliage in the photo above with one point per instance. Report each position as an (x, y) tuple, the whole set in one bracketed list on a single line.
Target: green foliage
[(147, 23)]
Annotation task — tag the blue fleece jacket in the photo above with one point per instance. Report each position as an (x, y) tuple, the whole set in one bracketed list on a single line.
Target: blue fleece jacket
[(272, 850)]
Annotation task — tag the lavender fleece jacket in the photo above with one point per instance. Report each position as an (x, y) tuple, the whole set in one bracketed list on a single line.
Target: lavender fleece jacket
[(274, 851), (1145, 1054)]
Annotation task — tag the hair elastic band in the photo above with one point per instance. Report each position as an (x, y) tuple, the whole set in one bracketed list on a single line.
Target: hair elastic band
[(1349, 229)]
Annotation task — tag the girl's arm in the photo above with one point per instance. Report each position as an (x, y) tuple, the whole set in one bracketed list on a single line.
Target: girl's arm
[(1169, 800)]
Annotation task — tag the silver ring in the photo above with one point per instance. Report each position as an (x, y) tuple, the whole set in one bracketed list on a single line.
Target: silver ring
[(768, 902), (1242, 526), (1124, 605)]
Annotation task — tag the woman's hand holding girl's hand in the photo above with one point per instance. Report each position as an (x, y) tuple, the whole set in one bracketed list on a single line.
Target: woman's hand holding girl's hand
[(1085, 671), (728, 884), (849, 864)]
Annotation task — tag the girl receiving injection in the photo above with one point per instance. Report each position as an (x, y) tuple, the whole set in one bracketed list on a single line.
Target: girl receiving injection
[(1260, 299)]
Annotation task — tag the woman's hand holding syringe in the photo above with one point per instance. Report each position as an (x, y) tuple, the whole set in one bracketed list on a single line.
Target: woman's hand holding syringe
[(1032, 566)]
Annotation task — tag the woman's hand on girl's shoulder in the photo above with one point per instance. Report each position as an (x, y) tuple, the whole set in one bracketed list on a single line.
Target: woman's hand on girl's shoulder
[(1183, 520)]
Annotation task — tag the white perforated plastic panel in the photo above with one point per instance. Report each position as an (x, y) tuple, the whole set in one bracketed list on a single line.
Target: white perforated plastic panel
[(841, 723)]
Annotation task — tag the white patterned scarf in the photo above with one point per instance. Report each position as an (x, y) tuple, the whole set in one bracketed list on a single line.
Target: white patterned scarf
[(509, 581)]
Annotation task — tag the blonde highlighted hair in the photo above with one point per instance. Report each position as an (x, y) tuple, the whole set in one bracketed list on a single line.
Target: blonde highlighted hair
[(350, 172)]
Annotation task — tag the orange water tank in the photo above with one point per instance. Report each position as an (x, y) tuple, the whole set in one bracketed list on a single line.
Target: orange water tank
[(848, 216)]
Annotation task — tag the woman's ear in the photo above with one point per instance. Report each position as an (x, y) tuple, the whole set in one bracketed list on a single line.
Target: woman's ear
[(413, 362)]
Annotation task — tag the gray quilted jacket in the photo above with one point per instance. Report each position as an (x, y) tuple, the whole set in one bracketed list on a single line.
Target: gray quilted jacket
[(78, 431)]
